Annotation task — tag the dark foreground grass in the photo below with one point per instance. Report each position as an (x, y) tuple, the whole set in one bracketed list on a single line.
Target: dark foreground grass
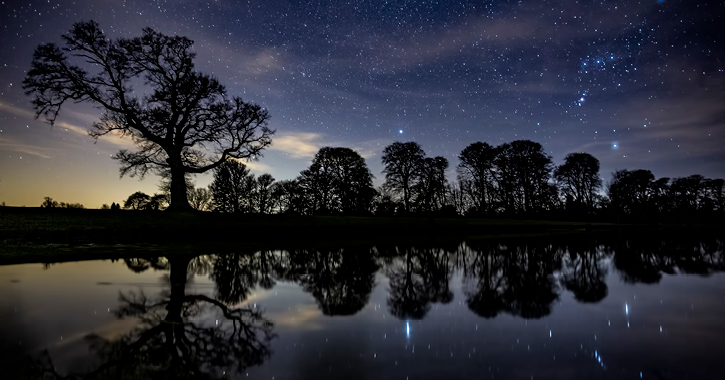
[(37, 235)]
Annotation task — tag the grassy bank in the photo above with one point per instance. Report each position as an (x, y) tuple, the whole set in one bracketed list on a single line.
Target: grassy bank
[(35, 234)]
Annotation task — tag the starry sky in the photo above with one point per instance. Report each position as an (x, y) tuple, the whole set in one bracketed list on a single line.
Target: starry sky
[(637, 84)]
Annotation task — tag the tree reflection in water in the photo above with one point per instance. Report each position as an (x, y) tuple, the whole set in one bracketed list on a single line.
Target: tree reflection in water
[(418, 277), (516, 279), (584, 271), (644, 259), (483, 279), (177, 336), (340, 280)]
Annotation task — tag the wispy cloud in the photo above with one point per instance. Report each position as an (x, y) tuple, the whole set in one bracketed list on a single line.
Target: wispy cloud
[(113, 138), (12, 145), (256, 166), (297, 144), (471, 33)]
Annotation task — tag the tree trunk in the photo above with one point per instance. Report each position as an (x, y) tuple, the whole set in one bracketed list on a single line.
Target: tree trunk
[(179, 200)]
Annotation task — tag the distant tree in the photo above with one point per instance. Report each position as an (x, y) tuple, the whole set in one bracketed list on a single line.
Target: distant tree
[(288, 197), (660, 200), (458, 195), (200, 198), (384, 203), (477, 169), (157, 202), (579, 178), (688, 193), (629, 191), (263, 193), (105, 206), (186, 123), (48, 202), (338, 180), (71, 205), (232, 187), (431, 186), (137, 201), (402, 162), (715, 190), (523, 174)]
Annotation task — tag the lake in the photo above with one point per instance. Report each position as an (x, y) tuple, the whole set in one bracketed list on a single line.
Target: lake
[(566, 307)]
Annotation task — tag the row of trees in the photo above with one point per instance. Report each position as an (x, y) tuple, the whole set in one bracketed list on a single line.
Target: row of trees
[(49, 202), (511, 179)]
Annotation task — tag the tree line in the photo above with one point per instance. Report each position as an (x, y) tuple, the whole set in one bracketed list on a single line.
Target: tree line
[(516, 179)]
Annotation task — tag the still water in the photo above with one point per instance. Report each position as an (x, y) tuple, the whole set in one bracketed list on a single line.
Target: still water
[(551, 308)]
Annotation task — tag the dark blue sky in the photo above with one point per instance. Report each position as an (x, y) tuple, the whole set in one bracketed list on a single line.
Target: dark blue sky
[(638, 84)]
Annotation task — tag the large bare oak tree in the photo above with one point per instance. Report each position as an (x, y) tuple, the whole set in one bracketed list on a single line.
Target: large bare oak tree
[(182, 121)]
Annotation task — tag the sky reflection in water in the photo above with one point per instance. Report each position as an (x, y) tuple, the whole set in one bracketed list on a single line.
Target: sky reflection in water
[(560, 308)]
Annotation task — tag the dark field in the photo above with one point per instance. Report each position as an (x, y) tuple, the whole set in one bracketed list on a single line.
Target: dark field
[(36, 234)]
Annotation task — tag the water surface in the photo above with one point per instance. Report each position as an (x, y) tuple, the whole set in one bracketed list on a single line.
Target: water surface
[(551, 308)]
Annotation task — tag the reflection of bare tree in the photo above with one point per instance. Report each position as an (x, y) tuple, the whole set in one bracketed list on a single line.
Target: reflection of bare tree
[(584, 271), (173, 338), (237, 274), (418, 277), (341, 280)]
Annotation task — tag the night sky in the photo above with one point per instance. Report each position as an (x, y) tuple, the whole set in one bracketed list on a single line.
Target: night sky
[(638, 84)]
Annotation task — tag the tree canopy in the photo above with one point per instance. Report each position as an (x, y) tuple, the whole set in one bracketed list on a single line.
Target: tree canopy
[(181, 121)]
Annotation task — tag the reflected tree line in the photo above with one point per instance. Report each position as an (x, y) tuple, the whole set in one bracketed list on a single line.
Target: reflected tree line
[(183, 334)]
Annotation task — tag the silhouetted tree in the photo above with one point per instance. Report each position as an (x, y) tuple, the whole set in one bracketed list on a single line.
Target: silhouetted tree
[(289, 197), (629, 191), (478, 171), (579, 178), (384, 203), (137, 201), (263, 193), (186, 124), (402, 163), (660, 200), (688, 195), (200, 198), (716, 194), (458, 195), (523, 173), (337, 180), (48, 202), (232, 187), (429, 191)]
